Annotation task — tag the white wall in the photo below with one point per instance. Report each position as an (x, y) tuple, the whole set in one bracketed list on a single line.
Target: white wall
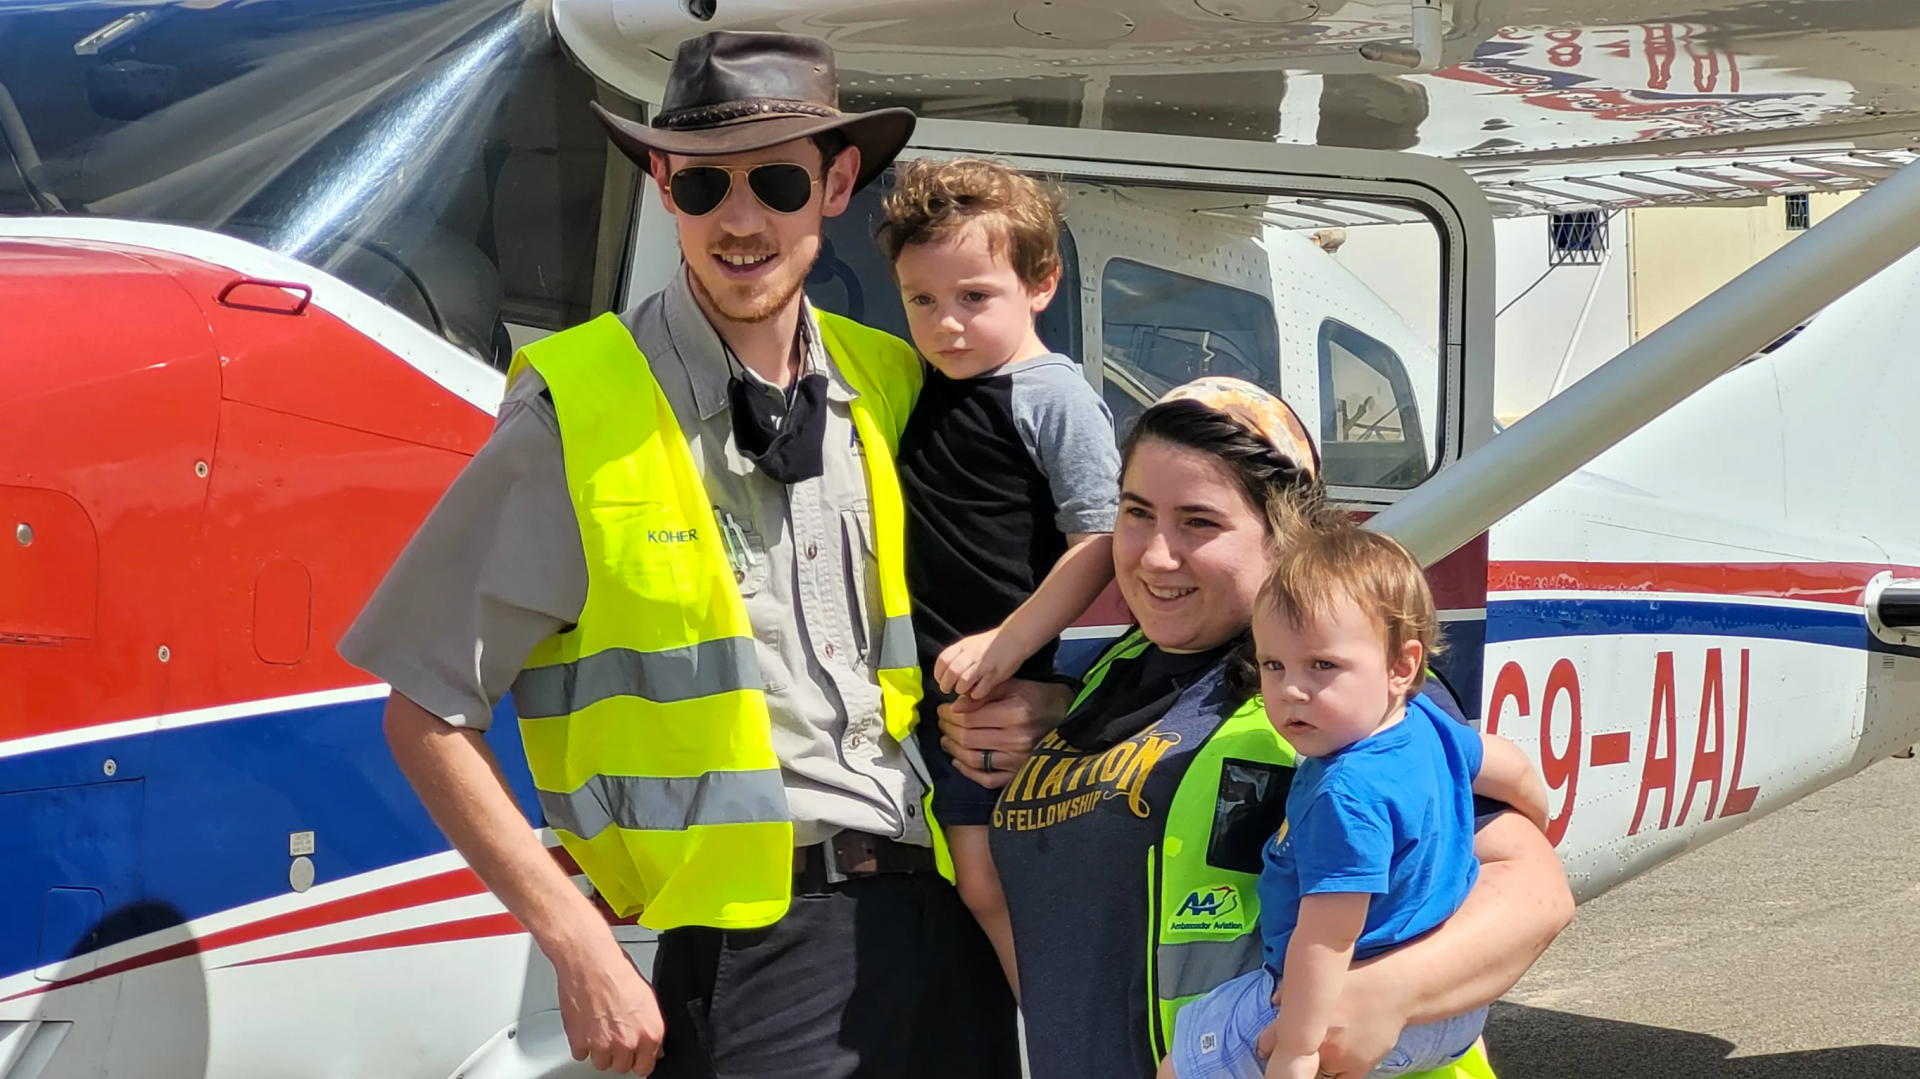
[(1558, 323)]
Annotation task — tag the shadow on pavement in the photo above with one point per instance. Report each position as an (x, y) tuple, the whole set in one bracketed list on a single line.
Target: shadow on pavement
[(1534, 1043)]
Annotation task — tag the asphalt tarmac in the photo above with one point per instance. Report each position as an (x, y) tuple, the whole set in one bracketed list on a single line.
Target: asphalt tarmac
[(1788, 949)]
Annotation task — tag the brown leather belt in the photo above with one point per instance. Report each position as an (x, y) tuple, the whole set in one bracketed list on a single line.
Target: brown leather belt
[(856, 854)]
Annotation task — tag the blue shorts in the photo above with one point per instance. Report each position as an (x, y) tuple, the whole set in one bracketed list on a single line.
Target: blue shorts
[(1213, 1038)]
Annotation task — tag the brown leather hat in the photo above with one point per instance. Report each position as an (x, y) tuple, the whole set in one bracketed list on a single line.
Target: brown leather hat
[(729, 92)]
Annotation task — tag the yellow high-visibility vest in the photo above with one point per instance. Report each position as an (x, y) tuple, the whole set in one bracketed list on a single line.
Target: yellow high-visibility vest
[(645, 724), (1187, 957)]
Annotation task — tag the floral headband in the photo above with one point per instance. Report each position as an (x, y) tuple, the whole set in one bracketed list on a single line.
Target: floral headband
[(1258, 412)]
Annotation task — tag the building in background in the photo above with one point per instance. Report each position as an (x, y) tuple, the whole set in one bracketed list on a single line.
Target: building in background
[(1576, 289)]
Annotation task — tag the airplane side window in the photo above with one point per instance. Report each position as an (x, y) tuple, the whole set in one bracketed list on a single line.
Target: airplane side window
[(1160, 329), (1370, 431), (853, 278)]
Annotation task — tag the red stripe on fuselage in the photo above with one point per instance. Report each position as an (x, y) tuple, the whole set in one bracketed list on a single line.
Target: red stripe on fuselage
[(454, 884), (1819, 582), (486, 925)]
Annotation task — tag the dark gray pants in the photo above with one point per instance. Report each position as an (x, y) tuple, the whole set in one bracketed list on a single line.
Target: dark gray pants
[(883, 977)]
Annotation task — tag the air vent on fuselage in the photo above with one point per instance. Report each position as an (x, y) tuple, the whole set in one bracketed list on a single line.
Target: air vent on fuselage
[(1897, 605)]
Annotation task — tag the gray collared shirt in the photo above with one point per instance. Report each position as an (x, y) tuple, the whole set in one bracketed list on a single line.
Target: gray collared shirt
[(497, 567)]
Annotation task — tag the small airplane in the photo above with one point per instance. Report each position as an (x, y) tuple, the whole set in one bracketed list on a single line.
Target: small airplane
[(262, 263)]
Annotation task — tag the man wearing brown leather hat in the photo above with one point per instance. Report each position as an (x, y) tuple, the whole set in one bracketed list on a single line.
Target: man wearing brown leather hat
[(681, 550)]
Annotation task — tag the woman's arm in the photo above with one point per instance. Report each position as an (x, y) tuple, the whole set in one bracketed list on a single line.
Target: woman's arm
[(1516, 908), (1519, 904)]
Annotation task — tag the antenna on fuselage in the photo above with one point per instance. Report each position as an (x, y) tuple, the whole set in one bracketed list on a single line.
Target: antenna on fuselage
[(1420, 54)]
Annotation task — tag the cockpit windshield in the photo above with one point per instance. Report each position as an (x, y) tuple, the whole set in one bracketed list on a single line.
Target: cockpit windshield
[(437, 154)]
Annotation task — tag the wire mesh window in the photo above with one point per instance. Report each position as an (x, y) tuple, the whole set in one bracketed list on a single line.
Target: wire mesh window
[(1577, 239), (1799, 212)]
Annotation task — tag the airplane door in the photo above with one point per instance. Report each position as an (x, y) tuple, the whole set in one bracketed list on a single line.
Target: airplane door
[(1385, 343), (1357, 285)]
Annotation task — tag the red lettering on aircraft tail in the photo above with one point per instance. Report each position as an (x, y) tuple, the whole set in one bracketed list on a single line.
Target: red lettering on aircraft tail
[(1614, 748), (1740, 799), (1708, 764), (1512, 682), (1658, 771), (1562, 755), (1561, 769)]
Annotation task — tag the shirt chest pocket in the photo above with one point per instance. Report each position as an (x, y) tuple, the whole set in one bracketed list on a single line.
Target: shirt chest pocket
[(860, 564), (746, 554)]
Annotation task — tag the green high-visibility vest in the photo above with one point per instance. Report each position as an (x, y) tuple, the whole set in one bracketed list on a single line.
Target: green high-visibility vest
[(645, 724), (1191, 951)]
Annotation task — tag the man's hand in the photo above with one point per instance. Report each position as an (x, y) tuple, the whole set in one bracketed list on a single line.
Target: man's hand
[(975, 666), (1007, 724), (608, 1010)]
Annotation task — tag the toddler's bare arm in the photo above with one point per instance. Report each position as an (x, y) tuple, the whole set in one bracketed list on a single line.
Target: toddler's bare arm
[(1317, 960), (973, 666), (1506, 775)]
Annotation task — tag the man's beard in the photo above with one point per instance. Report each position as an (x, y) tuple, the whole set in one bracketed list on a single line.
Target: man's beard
[(757, 308)]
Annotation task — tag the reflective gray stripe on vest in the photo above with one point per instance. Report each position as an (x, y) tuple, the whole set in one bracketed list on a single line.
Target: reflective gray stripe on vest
[(668, 803), (1192, 968), (671, 674), (897, 647)]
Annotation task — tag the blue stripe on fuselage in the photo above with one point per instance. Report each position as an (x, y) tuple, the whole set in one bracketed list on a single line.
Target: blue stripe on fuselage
[(1527, 619), (195, 820)]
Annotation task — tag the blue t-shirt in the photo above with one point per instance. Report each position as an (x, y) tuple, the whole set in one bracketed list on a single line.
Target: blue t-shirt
[(1391, 816)]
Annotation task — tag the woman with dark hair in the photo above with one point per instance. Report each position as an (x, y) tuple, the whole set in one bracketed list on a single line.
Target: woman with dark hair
[(1129, 842)]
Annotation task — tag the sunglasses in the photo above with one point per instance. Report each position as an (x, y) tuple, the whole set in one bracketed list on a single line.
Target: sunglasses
[(698, 190)]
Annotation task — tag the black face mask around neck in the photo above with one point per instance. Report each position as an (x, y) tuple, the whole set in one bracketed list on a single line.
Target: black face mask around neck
[(789, 450)]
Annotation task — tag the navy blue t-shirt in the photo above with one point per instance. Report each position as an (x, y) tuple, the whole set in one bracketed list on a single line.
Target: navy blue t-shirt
[(1390, 816)]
